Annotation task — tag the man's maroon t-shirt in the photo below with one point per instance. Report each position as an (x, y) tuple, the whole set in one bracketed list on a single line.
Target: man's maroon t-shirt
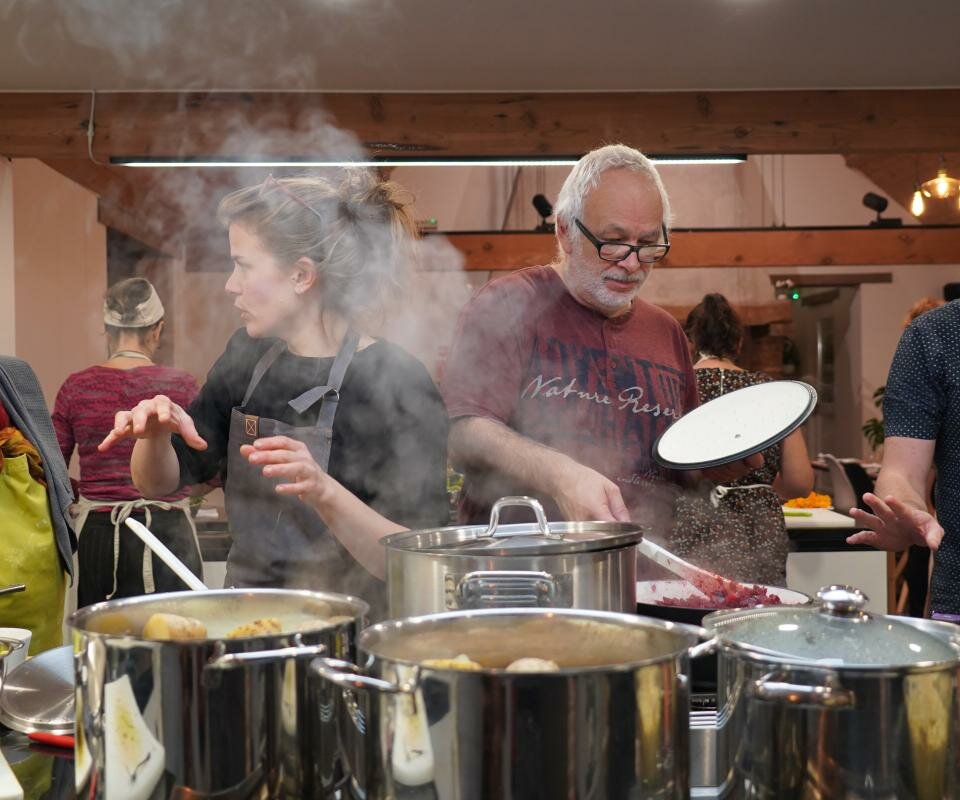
[(601, 390)]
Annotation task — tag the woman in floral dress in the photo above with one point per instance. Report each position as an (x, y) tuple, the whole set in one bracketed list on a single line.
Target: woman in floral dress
[(737, 530)]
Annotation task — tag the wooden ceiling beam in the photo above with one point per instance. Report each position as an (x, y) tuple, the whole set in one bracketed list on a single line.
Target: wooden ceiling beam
[(754, 314), (238, 124), (834, 279), (755, 248), (127, 202), (206, 250)]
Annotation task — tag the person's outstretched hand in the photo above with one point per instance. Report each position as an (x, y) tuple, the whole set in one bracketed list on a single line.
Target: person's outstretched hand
[(149, 419), (894, 525)]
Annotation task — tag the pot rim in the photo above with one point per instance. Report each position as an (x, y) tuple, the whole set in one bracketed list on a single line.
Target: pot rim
[(755, 655), (84, 615), (621, 535), (722, 624), (694, 632)]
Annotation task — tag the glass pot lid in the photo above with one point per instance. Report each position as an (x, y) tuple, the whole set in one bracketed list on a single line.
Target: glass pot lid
[(528, 538), (835, 631)]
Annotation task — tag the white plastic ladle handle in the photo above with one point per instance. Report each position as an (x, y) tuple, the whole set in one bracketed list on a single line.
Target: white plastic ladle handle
[(10, 788), (164, 554)]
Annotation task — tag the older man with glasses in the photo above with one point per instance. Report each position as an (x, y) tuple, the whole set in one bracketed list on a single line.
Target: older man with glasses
[(560, 378)]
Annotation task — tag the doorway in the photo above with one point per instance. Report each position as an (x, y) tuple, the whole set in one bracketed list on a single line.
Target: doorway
[(823, 337)]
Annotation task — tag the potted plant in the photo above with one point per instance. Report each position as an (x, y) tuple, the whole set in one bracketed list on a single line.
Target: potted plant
[(873, 427)]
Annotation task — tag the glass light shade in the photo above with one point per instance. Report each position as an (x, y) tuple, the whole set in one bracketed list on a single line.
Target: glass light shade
[(917, 205), (941, 186)]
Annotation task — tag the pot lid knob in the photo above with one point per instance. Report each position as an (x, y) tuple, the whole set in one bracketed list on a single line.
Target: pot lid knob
[(842, 601)]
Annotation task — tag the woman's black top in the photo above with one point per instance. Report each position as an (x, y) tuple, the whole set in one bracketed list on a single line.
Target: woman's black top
[(389, 435)]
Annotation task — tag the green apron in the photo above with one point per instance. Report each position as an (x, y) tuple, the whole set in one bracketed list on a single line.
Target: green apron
[(28, 555)]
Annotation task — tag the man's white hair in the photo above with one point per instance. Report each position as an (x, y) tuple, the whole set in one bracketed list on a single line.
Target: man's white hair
[(586, 173)]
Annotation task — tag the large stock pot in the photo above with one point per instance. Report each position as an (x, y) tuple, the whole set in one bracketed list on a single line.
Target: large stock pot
[(215, 717), (589, 565), (611, 723), (828, 701)]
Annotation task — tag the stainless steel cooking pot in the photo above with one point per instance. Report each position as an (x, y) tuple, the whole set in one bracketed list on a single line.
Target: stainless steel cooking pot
[(610, 723), (8, 648), (212, 717), (828, 701), (557, 565)]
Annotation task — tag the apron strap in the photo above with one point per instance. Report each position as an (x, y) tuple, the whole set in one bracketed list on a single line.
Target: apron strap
[(329, 397), (330, 394), (265, 362), (119, 511)]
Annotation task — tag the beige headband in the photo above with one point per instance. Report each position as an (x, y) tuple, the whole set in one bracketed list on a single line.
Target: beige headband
[(148, 313)]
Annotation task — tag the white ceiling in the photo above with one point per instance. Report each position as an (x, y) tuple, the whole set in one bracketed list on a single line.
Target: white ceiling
[(477, 45)]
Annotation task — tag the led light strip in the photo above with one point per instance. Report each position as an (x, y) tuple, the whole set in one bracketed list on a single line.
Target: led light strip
[(555, 162)]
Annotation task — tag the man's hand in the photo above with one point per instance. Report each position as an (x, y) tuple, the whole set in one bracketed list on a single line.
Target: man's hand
[(734, 470), (894, 525), (584, 494)]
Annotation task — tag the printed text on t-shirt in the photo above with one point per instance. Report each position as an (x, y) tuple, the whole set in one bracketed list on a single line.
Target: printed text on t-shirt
[(630, 398)]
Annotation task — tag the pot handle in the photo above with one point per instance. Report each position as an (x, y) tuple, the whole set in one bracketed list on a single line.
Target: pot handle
[(519, 500), (775, 688), (348, 675), (708, 641), (224, 660), (505, 589)]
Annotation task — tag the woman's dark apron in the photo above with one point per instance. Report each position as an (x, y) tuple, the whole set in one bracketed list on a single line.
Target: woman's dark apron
[(280, 541)]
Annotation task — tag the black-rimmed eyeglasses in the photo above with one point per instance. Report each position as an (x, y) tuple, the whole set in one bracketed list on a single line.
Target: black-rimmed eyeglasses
[(618, 251)]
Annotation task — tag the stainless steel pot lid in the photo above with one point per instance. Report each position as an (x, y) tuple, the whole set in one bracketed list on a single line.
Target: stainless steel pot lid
[(38, 695), (735, 425), (531, 538), (834, 632)]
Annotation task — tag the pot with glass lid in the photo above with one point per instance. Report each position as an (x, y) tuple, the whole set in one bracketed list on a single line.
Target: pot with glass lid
[(829, 701), (543, 564)]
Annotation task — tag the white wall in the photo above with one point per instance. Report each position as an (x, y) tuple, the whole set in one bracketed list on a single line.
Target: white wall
[(60, 273)]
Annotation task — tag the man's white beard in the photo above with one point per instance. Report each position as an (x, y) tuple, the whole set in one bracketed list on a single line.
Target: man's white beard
[(588, 284)]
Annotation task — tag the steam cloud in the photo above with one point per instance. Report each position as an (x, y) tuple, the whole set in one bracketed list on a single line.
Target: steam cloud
[(134, 38)]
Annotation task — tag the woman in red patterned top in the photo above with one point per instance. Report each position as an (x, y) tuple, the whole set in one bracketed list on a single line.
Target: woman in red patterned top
[(112, 561)]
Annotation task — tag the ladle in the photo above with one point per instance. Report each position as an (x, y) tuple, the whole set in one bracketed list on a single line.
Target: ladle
[(705, 581), (165, 555)]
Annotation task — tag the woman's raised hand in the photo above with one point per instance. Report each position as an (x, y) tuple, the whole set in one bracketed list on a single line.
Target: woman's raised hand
[(290, 461), (152, 418)]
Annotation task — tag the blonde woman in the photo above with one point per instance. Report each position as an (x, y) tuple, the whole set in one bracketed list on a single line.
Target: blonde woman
[(316, 266)]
